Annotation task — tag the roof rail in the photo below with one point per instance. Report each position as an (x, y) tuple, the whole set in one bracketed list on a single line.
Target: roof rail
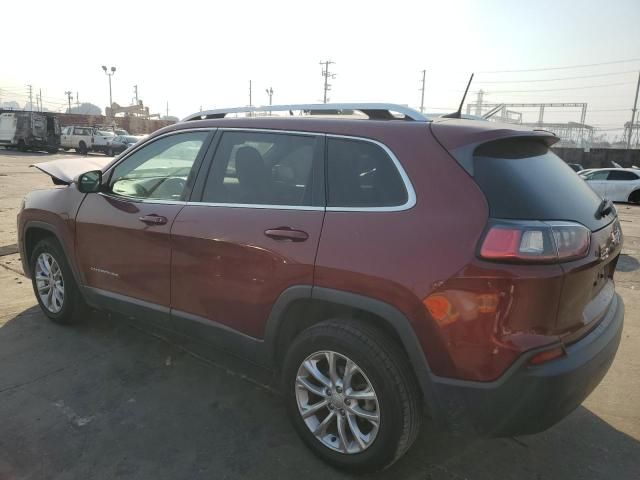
[(375, 111)]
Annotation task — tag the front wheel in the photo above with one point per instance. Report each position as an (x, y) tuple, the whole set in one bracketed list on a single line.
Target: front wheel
[(110, 152), (53, 283), (351, 395)]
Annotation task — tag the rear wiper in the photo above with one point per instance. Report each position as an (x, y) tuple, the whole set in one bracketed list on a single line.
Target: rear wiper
[(605, 208)]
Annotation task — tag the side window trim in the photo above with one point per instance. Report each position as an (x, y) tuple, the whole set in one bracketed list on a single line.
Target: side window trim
[(411, 194), (319, 175)]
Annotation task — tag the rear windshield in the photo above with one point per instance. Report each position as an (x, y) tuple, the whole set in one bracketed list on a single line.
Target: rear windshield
[(524, 179)]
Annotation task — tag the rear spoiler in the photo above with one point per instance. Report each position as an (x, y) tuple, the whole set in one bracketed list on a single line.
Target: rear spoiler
[(461, 137)]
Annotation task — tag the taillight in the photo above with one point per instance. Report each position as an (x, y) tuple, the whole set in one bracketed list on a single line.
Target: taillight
[(535, 241)]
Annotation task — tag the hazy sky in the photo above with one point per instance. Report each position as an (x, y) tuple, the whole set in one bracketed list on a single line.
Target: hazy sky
[(204, 53)]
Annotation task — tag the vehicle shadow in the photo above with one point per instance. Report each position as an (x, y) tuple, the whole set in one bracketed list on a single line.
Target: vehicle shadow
[(106, 399), (627, 263)]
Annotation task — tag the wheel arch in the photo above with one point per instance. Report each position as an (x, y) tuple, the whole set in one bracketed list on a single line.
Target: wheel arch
[(34, 231), (300, 307), (634, 196)]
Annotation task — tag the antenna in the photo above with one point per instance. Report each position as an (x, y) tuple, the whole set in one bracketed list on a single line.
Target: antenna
[(458, 113)]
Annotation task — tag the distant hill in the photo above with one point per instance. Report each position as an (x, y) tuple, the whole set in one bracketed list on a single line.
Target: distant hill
[(86, 109)]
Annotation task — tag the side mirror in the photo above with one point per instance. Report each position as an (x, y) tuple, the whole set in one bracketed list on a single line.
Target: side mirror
[(90, 182)]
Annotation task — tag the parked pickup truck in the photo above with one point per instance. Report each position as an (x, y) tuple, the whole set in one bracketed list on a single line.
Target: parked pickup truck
[(85, 139)]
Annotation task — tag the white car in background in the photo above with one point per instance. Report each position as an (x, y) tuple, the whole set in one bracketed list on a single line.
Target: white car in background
[(615, 184)]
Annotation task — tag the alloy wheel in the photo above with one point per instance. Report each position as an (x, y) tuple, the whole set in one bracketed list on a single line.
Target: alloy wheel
[(337, 402), (49, 282)]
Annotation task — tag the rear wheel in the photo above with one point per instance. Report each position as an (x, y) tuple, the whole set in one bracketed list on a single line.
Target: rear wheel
[(110, 152), (22, 147), (82, 148), (54, 285), (634, 197), (351, 395)]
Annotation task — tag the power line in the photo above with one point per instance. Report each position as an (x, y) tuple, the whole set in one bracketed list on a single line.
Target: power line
[(557, 79), (561, 89), (566, 67)]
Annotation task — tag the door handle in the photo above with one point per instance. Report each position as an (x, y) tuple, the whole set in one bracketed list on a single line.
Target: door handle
[(153, 219), (286, 234)]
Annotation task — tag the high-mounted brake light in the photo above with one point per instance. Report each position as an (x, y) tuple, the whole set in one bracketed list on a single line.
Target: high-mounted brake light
[(535, 241)]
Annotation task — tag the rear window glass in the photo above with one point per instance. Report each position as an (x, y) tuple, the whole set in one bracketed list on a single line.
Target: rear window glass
[(622, 175), (361, 174), (523, 179)]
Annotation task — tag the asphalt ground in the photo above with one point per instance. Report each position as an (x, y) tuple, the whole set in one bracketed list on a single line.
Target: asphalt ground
[(108, 399)]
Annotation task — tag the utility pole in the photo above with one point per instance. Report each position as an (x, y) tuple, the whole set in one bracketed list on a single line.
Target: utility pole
[(30, 97), (250, 100), (135, 89), (424, 73), (479, 102), (167, 108), (41, 100), (327, 75), (633, 117), (77, 100), (69, 97)]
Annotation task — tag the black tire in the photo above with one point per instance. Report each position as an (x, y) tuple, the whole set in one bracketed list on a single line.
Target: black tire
[(110, 152), (73, 307), (82, 148), (22, 147), (390, 374), (634, 197)]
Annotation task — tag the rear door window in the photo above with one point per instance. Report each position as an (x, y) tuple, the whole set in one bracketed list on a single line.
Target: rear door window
[(361, 174), (523, 179), (262, 169)]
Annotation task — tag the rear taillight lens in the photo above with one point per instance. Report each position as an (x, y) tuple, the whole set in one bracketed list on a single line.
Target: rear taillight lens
[(535, 241)]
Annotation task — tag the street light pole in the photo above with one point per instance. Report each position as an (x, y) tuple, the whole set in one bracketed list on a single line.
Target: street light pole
[(270, 93), (109, 74)]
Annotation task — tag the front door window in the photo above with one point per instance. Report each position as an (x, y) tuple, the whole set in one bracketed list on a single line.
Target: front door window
[(160, 170)]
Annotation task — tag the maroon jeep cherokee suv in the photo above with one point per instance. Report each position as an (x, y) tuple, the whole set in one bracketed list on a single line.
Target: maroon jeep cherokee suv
[(385, 264)]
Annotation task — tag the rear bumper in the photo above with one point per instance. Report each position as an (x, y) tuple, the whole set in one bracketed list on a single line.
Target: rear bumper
[(529, 399)]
